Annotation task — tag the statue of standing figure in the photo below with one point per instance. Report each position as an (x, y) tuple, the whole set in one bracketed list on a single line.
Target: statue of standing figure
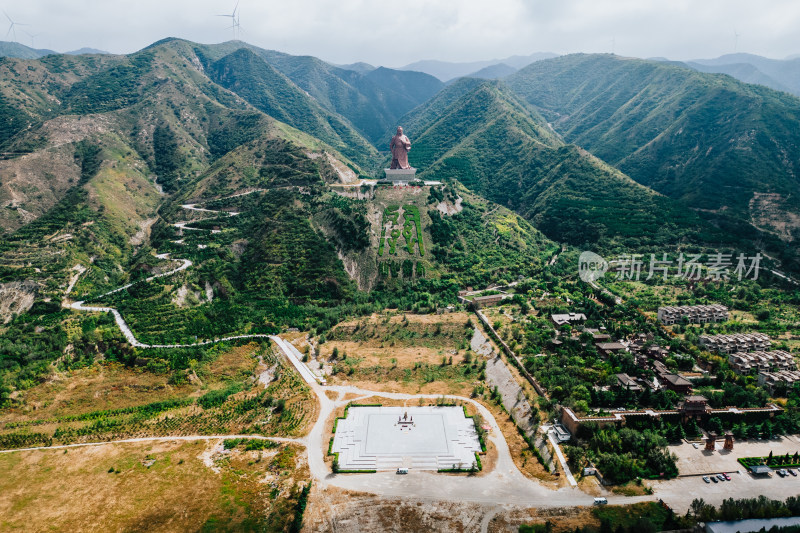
[(400, 146)]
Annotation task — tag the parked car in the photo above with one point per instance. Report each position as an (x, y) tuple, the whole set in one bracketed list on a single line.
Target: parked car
[(714, 479), (600, 501), (721, 477), (726, 476), (695, 445), (706, 479), (792, 472), (781, 472)]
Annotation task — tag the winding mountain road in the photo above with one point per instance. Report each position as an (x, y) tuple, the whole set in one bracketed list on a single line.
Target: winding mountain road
[(505, 484)]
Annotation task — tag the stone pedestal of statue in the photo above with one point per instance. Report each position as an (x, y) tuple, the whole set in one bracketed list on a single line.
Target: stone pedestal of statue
[(400, 174)]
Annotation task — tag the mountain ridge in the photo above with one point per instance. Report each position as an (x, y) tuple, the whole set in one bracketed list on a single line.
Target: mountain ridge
[(447, 70), (491, 141)]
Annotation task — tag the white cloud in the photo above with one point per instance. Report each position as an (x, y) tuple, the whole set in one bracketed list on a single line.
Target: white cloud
[(395, 34)]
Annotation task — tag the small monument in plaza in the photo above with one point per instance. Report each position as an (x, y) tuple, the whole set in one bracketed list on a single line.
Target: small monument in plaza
[(728, 441), (711, 441), (400, 170)]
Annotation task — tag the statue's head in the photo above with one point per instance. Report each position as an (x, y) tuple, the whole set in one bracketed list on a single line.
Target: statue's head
[(399, 130)]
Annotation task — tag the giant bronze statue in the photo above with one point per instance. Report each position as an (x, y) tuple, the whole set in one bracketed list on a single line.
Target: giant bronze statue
[(400, 146)]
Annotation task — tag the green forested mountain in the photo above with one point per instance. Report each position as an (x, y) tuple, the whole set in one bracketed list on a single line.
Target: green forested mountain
[(745, 72), (249, 76), (247, 162), (98, 144), (480, 133), (779, 74), (102, 153), (370, 99), (715, 143)]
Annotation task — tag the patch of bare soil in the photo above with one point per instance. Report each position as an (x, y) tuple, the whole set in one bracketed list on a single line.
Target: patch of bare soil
[(435, 387), (447, 208), (332, 395), (771, 212), (16, 297), (563, 519), (521, 453), (335, 510), (162, 486)]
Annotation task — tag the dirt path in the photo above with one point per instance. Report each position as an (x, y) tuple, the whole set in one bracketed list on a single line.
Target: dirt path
[(79, 269), (159, 439)]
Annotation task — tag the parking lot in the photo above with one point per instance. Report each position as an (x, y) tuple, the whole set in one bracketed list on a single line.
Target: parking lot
[(693, 463)]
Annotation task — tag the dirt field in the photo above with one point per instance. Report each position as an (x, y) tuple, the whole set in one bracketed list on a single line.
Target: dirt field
[(411, 387), (338, 511), (101, 386), (110, 402), (112, 386), (565, 519), (166, 486), (335, 510), (398, 339)]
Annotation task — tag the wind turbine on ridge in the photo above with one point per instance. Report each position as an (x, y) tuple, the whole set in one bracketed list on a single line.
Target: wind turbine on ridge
[(11, 30), (234, 19), (32, 36)]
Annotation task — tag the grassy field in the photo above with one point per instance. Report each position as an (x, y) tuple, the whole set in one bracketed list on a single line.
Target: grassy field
[(110, 402), (165, 486), (111, 385)]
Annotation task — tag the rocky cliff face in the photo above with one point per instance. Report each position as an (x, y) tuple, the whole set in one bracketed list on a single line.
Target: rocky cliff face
[(16, 297)]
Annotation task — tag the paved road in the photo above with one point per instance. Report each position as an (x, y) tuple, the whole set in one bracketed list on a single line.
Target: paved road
[(503, 485), (561, 459), (126, 330), (193, 207)]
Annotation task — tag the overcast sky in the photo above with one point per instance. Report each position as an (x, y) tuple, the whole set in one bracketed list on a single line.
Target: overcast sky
[(397, 33)]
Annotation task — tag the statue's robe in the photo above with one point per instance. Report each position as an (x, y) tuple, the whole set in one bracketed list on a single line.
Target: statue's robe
[(400, 146)]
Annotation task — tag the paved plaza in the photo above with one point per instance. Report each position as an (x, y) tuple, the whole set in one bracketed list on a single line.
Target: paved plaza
[(422, 438), (698, 461)]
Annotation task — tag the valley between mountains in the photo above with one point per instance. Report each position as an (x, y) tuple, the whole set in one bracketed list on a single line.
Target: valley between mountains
[(204, 271)]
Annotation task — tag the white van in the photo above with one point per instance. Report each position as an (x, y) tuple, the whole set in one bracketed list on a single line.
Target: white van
[(402, 470), (600, 501)]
